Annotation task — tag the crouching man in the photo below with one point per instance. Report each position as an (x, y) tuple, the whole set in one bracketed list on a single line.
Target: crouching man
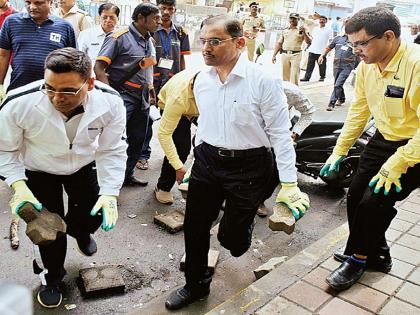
[(53, 132)]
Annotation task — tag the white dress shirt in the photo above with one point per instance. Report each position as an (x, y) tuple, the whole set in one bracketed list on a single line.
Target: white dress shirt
[(90, 41), (320, 38), (248, 111)]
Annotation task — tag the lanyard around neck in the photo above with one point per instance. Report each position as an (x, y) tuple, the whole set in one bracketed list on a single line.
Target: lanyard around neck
[(166, 42)]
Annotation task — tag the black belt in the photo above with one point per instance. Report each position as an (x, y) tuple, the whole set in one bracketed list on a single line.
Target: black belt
[(291, 51), (239, 153)]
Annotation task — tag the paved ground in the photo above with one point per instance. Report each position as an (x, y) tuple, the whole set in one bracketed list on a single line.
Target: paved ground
[(149, 257), (303, 290)]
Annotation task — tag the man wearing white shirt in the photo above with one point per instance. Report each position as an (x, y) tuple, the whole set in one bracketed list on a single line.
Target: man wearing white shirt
[(320, 37), (90, 40), (243, 113)]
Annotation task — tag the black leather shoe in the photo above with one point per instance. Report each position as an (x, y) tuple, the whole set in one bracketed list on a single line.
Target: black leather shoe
[(133, 181), (304, 80), (87, 245), (50, 296), (346, 275), (378, 263), (182, 297)]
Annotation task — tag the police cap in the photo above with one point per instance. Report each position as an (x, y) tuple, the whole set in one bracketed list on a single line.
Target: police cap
[(294, 15)]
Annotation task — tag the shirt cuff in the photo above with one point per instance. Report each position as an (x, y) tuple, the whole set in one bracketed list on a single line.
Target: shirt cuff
[(109, 191), (14, 178)]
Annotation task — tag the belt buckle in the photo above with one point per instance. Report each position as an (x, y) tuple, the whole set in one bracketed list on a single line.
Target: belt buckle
[(222, 154), (289, 52)]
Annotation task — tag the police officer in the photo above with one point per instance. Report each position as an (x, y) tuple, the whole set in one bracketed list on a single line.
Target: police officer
[(344, 62), (252, 25), (290, 45), (126, 63), (64, 132), (387, 88), (79, 19)]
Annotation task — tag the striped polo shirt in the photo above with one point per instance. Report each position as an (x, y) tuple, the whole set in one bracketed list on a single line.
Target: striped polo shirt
[(31, 44)]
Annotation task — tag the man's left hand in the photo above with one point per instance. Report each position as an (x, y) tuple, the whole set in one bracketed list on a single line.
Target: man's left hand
[(294, 199), (108, 205), (385, 178)]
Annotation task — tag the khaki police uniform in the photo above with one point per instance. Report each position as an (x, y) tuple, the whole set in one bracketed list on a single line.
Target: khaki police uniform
[(249, 25), (291, 43), (79, 19)]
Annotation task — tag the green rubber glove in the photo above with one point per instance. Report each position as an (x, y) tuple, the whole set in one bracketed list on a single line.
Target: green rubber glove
[(294, 199), (389, 174), (22, 195), (108, 205), (331, 165), (2, 93)]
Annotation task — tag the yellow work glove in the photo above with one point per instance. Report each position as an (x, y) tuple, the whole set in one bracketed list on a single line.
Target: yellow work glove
[(22, 195), (331, 165), (390, 173), (2, 93), (294, 199), (108, 205)]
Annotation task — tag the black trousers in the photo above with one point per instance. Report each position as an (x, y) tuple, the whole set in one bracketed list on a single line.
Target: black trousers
[(312, 59), (340, 76), (241, 182), (82, 190), (182, 140), (137, 121), (369, 214)]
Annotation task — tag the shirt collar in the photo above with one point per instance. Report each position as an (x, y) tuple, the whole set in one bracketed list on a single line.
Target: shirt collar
[(392, 66), (238, 70), (72, 10), (160, 28), (50, 18), (137, 34)]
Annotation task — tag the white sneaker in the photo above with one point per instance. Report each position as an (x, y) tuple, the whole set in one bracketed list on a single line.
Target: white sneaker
[(164, 197)]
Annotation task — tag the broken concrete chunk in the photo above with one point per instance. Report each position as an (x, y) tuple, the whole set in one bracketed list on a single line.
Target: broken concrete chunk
[(172, 221), (213, 257), (101, 280), (282, 219), (262, 270)]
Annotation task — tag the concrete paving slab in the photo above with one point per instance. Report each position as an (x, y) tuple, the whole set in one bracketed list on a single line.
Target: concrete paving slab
[(172, 221), (101, 280)]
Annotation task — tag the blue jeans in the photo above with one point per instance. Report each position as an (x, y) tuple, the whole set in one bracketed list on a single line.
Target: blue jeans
[(137, 123), (340, 76)]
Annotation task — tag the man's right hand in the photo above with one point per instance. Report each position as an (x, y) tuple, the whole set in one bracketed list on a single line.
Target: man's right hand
[(273, 60), (321, 59), (22, 195), (2, 93), (331, 165), (180, 173)]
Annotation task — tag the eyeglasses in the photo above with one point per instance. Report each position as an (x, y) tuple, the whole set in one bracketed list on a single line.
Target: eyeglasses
[(365, 42), (49, 92), (214, 41), (254, 7)]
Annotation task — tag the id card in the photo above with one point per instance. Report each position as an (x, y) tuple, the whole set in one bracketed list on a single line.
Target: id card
[(345, 47), (165, 63)]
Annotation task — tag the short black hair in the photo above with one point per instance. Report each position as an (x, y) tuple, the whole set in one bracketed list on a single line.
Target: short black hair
[(232, 26), (337, 18), (375, 21), (69, 60), (109, 6), (166, 2), (144, 9)]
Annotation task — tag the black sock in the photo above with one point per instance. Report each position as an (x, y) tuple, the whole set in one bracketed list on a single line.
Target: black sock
[(357, 260)]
